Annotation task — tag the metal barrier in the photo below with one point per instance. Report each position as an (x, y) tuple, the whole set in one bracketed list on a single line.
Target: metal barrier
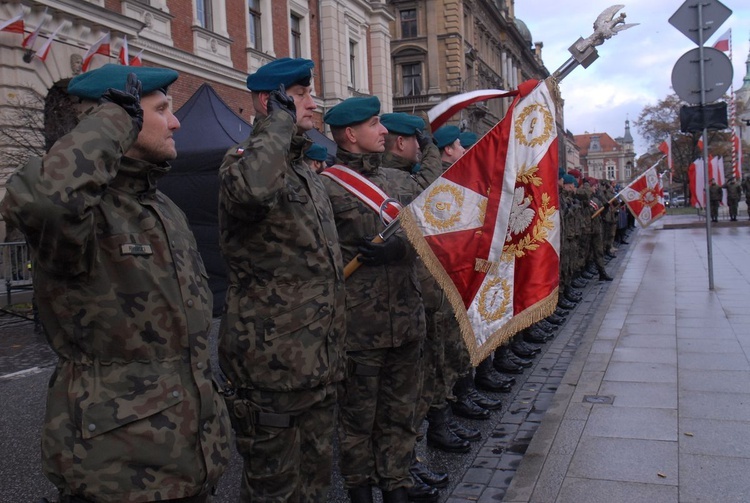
[(15, 268)]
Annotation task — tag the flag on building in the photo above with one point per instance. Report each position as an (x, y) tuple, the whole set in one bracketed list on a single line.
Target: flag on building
[(644, 197), (44, 50), (137, 61), (30, 39), (723, 42), (489, 228), (737, 153), (666, 149), (13, 25), (124, 56), (101, 46)]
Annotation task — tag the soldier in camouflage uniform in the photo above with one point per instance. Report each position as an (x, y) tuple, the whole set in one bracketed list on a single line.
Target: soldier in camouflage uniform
[(746, 189), (405, 145), (132, 412), (734, 193), (282, 336), (385, 314), (715, 195)]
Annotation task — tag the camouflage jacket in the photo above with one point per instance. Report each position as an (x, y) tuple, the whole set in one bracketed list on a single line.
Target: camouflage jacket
[(132, 413), (284, 320), (715, 192), (383, 303), (431, 169), (734, 190)]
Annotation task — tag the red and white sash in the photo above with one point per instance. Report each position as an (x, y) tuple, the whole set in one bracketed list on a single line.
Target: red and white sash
[(364, 190)]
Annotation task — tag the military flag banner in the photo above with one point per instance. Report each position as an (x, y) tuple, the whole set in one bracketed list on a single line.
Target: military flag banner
[(30, 39), (644, 197), (489, 228), (440, 113)]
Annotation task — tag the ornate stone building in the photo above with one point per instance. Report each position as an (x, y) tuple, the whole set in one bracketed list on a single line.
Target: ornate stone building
[(443, 47), (604, 157), (213, 41)]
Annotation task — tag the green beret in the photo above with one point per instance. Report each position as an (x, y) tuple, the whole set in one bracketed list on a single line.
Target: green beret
[(91, 85), (352, 111), (402, 124), (468, 139), (287, 71), (446, 135), (316, 152), (570, 179)]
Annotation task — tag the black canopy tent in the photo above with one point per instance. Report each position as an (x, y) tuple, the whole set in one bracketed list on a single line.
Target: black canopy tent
[(208, 128)]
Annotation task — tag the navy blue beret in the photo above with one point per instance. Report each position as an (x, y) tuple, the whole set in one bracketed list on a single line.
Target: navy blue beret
[(468, 138), (316, 152), (352, 111), (91, 85), (287, 71), (401, 123), (446, 135)]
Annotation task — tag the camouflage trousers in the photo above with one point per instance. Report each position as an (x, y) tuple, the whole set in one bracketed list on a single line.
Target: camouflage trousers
[(377, 415), (456, 360), (433, 359), (286, 442)]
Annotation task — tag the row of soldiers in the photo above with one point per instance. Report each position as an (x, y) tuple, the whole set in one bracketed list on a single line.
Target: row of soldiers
[(734, 193), (134, 412)]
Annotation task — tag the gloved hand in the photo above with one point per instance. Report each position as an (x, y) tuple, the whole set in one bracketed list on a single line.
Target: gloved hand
[(423, 139), (278, 99), (391, 250), (129, 99)]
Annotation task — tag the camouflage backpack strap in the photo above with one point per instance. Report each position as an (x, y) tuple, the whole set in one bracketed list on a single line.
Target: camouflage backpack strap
[(366, 191)]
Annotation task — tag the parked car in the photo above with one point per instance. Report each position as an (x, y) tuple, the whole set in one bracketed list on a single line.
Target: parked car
[(678, 201)]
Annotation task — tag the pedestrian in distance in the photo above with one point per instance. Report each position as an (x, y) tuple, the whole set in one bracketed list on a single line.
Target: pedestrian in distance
[(132, 411), (282, 336)]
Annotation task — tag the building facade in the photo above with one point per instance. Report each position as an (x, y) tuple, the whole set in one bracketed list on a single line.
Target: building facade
[(443, 47), (603, 157), (213, 41)]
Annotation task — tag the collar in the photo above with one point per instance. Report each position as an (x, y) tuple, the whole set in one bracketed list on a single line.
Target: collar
[(362, 163), (138, 177)]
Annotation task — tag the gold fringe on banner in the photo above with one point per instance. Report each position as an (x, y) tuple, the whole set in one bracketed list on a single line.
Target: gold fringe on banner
[(522, 320)]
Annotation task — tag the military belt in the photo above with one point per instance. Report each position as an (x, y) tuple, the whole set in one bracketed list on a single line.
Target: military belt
[(266, 418)]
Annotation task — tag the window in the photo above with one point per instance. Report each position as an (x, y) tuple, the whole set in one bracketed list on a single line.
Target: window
[(353, 63), (295, 46), (611, 172), (204, 14), (409, 23), (412, 79), (254, 38)]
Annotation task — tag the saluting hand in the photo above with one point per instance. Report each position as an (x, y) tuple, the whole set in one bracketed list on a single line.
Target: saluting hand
[(278, 99), (129, 99)]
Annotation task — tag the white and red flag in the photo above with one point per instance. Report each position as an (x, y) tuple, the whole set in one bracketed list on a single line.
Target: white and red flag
[(13, 25), (737, 153), (489, 228), (666, 148), (28, 40), (644, 197), (124, 56), (440, 113), (137, 61), (723, 43), (44, 50), (101, 46)]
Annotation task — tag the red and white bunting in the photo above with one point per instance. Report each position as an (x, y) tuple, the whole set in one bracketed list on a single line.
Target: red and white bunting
[(101, 46), (13, 25)]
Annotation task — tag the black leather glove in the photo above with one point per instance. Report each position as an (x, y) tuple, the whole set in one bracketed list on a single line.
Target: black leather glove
[(391, 250), (423, 139), (278, 99), (129, 99)]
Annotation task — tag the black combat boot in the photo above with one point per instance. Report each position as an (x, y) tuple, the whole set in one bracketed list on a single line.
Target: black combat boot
[(421, 491), (564, 303), (561, 312), (521, 348), (464, 432), (399, 495), (586, 274), (439, 435), (361, 494), (546, 326), (579, 283), (422, 472), (464, 406), (555, 319), (503, 364), (534, 336), (489, 379), (603, 276), (521, 362)]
